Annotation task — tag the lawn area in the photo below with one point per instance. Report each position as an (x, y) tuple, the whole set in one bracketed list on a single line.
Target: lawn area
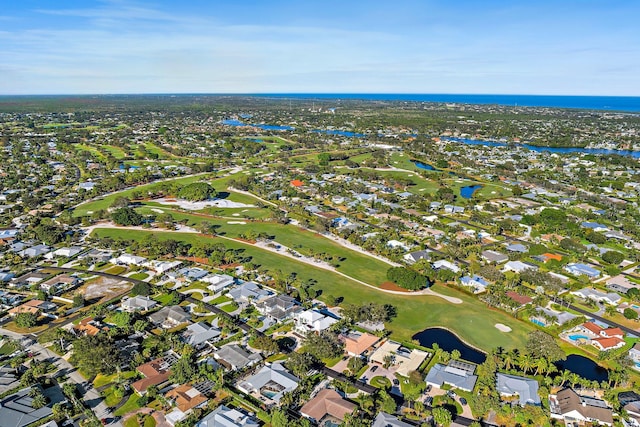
[(163, 299), (8, 348), (102, 380), (116, 270), (130, 405), (106, 201), (139, 276), (472, 320), (110, 398), (381, 382), (351, 263), (220, 300), (116, 152)]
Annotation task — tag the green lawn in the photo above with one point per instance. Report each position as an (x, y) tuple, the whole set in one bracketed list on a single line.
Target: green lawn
[(130, 405), (351, 263), (106, 201), (116, 269), (381, 382), (220, 300), (102, 380), (139, 276), (472, 320)]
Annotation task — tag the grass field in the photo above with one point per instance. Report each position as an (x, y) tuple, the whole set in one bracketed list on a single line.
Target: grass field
[(351, 263), (107, 201), (472, 320), (116, 152), (130, 405)]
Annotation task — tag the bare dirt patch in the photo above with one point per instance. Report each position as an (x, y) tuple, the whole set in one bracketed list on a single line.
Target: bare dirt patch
[(104, 287), (390, 286)]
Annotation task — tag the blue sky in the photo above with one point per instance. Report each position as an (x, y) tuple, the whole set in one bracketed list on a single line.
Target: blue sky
[(579, 47)]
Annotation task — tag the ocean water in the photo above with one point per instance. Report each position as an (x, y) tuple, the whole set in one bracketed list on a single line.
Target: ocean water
[(611, 103)]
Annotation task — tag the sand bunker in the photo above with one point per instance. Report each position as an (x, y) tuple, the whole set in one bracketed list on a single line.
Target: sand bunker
[(502, 328), (237, 222), (157, 210), (196, 206)]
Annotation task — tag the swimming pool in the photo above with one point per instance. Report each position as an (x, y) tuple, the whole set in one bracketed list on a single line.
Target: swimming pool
[(537, 322), (578, 337)]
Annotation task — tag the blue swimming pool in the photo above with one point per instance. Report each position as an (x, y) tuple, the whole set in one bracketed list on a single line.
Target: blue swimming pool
[(578, 337), (538, 322)]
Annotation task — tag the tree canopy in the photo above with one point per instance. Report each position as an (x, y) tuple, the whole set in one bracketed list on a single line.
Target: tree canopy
[(126, 216), (408, 279), (197, 191)]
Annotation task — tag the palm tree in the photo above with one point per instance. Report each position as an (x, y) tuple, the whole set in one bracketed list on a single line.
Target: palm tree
[(526, 362), (551, 369), (565, 375), (541, 365), (574, 379)]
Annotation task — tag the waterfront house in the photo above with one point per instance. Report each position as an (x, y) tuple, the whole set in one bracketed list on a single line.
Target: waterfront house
[(358, 343), (312, 321), (477, 283), (456, 374), (512, 385), (413, 257)]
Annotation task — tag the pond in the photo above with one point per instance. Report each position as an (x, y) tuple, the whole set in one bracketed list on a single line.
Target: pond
[(449, 342), (424, 166), (467, 192), (584, 367)]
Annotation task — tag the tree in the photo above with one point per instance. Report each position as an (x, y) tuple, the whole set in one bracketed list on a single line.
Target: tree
[(355, 364), (78, 300), (264, 343), (38, 400), (300, 363), (197, 191), (542, 345), (630, 314), (26, 320), (325, 345), (184, 370), (279, 418), (408, 279), (95, 354), (613, 257), (126, 217), (441, 416), (141, 288), (416, 378)]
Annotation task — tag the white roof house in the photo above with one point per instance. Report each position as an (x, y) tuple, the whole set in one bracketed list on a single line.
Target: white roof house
[(518, 266), (218, 282), (200, 333), (223, 416), (130, 259), (312, 321), (142, 303), (443, 263)]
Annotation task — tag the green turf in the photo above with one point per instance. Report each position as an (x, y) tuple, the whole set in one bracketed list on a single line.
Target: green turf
[(472, 320), (130, 405)]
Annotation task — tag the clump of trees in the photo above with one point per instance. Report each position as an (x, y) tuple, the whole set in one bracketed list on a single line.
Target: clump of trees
[(408, 279), (197, 191), (126, 217)]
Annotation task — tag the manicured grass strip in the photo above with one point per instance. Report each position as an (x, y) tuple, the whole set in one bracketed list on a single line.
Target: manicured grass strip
[(472, 320), (130, 405)]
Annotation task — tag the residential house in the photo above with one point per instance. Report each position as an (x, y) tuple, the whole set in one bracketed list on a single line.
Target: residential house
[(477, 283), (8, 378), (186, 398), (518, 298), (443, 263), (546, 316), (358, 343), (189, 274), (518, 266), (634, 354), (35, 251), (200, 334), (387, 420), (169, 317), (457, 374), (567, 405), (270, 383), (621, 283), (162, 267), (248, 292), (65, 252), (28, 280), (595, 226), (512, 385), (128, 259), (218, 282), (413, 257), (327, 406), (279, 307), (58, 284), (312, 321), (611, 298), (578, 269), (33, 306), (517, 248), (155, 372), (223, 416), (234, 357), (403, 359), (396, 244), (494, 256), (88, 326), (137, 303), (17, 409), (5, 276)]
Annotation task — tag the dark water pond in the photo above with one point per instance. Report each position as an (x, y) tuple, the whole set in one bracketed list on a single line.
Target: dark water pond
[(449, 342), (467, 192), (424, 166), (584, 367)]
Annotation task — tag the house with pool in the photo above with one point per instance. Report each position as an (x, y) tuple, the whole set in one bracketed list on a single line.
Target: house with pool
[(269, 384), (604, 339)]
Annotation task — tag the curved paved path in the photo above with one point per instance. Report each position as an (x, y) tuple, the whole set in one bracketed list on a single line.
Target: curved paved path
[(284, 251)]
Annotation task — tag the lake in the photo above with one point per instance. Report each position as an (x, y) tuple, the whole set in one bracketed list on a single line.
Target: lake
[(449, 342), (233, 122), (340, 133), (584, 367), (424, 166), (467, 192), (557, 150)]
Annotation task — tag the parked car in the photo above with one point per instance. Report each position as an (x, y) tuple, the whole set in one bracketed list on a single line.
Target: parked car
[(463, 401), (396, 382), (375, 368), (428, 388), (428, 401)]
